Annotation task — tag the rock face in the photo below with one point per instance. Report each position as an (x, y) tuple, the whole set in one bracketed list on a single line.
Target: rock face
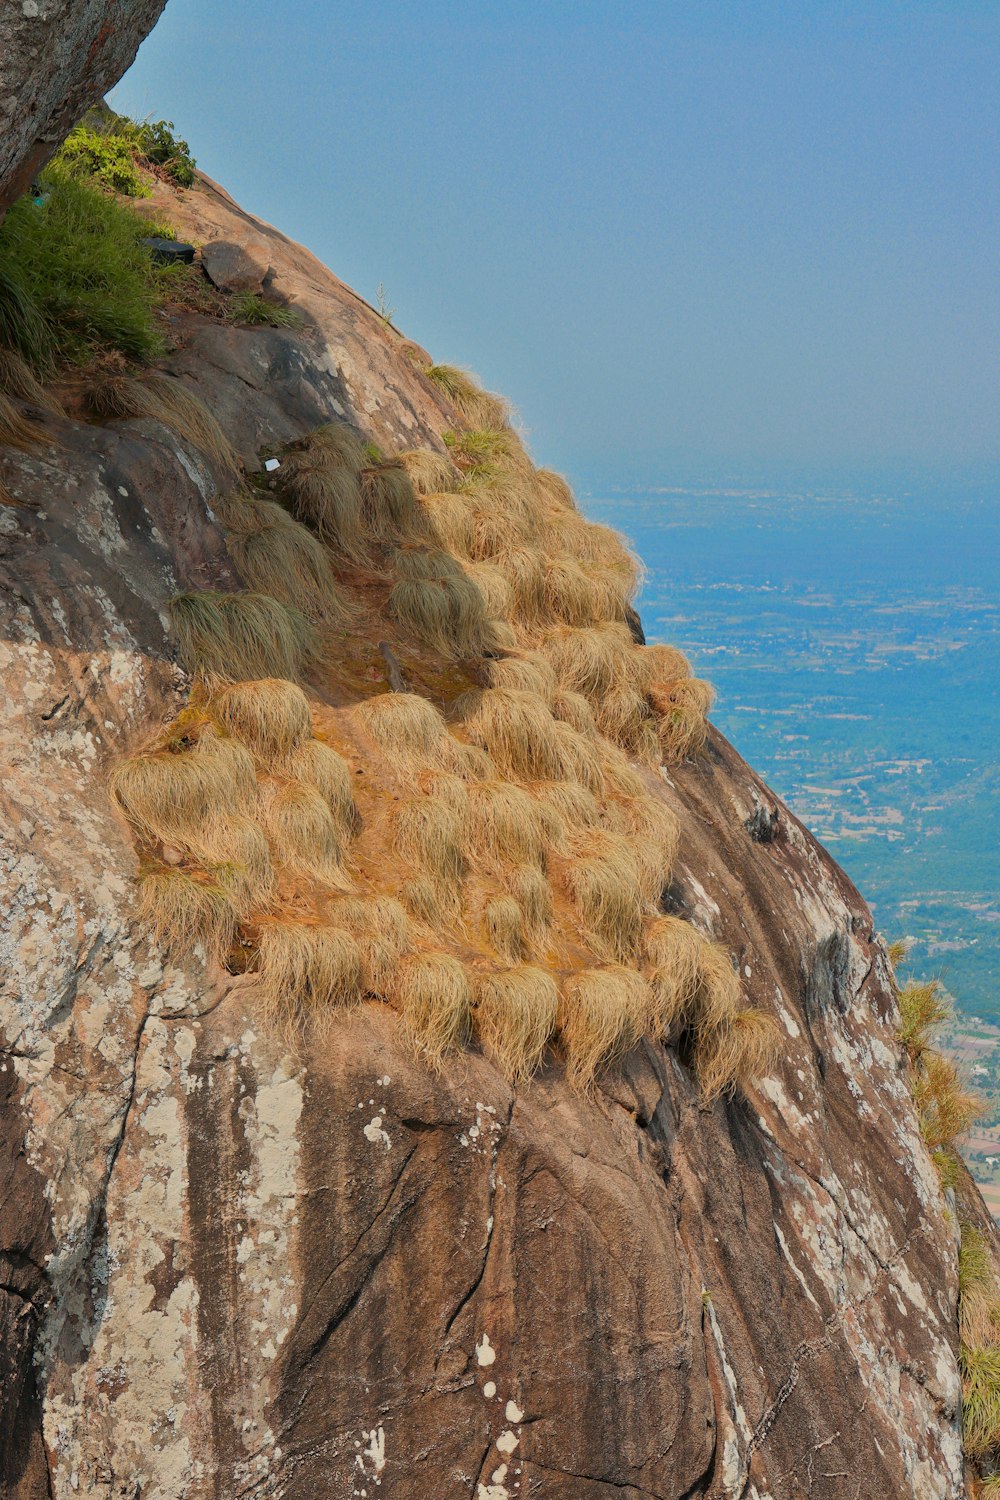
[(236, 267), (230, 1269), (57, 57)]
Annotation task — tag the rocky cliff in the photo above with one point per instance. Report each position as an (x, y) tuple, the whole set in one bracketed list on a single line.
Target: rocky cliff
[(56, 59), (239, 1263)]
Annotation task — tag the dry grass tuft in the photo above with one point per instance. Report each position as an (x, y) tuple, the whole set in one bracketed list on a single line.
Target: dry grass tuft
[(303, 834), (427, 903), (448, 787), (571, 804), (572, 596), (603, 879), (494, 590), (528, 672), (451, 522), (276, 555), (238, 858), (923, 1009), (339, 444), (432, 992), (429, 835), (271, 717), (177, 798), (664, 663), (320, 484), (505, 825), (653, 833), (389, 502), (681, 708), (240, 637), (157, 397), (479, 407), (430, 473), (18, 431), (515, 1017), (720, 994), (188, 913), (381, 929), (945, 1108), (506, 928), (731, 1056), (673, 955), (446, 612), (305, 969), (603, 1014), (574, 709), (19, 380), (534, 896), (555, 492), (518, 731), (591, 660), (406, 728), (319, 766), (580, 757)]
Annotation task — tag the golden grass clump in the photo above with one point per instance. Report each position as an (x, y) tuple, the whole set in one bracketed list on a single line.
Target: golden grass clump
[(188, 913), (433, 996), (673, 950), (603, 878), (494, 589), (571, 806), (945, 1108), (555, 492), (479, 407), (524, 569), (381, 928), (518, 731), (602, 1015), (320, 766), (271, 717), (429, 835), (534, 896), (652, 830), (158, 397), (176, 798), (591, 660), (681, 708), (505, 825), (405, 727), (451, 522), (389, 502), (506, 928), (923, 1009), (430, 473), (18, 431), (580, 757), (306, 969), (731, 1057), (447, 614), (240, 637), (320, 484), (663, 664), (277, 555), (572, 595), (19, 380), (238, 858), (574, 709), (450, 788), (303, 834), (515, 1013), (527, 672)]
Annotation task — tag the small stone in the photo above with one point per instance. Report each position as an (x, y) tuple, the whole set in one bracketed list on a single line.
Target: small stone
[(236, 267)]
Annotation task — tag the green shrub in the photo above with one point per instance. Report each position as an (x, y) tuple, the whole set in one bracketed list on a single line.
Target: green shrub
[(105, 157), (156, 141), (23, 328), (77, 260)]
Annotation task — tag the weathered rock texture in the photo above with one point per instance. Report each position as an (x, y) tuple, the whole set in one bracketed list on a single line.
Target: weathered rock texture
[(57, 57), (231, 1271)]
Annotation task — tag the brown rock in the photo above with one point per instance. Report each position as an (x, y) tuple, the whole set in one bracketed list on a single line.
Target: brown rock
[(236, 267)]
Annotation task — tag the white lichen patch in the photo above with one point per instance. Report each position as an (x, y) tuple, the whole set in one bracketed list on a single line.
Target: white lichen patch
[(485, 1353)]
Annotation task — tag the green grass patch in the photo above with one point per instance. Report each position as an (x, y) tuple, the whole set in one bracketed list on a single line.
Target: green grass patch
[(78, 281), (252, 308)]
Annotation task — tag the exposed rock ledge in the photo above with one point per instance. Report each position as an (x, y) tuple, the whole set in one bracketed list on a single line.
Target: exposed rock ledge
[(227, 1272)]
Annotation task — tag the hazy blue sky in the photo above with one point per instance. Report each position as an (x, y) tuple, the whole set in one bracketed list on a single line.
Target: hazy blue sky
[(695, 234)]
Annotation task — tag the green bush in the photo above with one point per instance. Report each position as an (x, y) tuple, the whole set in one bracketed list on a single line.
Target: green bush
[(156, 141), (105, 157), (77, 261)]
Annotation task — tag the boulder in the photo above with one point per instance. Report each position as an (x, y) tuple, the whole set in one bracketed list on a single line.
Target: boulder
[(236, 265)]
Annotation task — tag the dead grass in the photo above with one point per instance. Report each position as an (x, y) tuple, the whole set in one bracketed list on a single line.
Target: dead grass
[(506, 928), (19, 380), (176, 798), (494, 589), (572, 596), (580, 758), (18, 431), (240, 637), (516, 729), (945, 1108), (429, 835), (923, 1009), (238, 857), (320, 484), (527, 672), (451, 522), (673, 951), (156, 397), (591, 660), (534, 896), (681, 708), (730, 1057), (574, 709), (446, 614), (187, 913), (433, 996), (479, 407), (652, 831), (505, 826), (320, 766), (271, 717), (555, 492), (427, 903), (304, 837), (571, 804), (603, 879), (306, 969), (406, 728), (430, 473), (277, 555), (381, 928), (389, 502), (603, 1014), (515, 1015)]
